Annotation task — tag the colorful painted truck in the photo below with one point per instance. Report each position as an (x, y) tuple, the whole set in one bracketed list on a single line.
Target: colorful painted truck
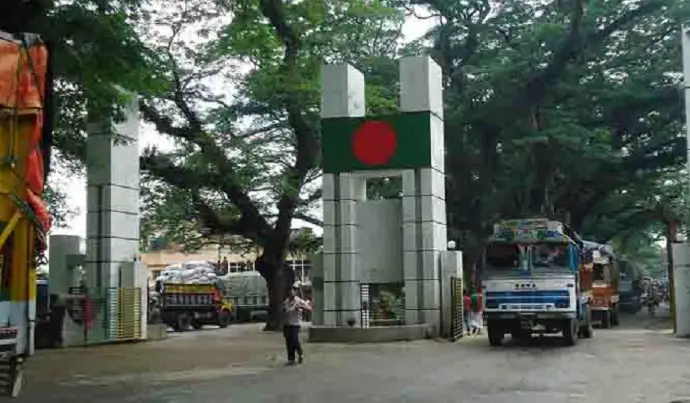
[(531, 282), (24, 219), (193, 305), (602, 277)]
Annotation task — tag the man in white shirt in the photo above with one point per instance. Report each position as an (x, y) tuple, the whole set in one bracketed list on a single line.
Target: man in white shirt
[(293, 307)]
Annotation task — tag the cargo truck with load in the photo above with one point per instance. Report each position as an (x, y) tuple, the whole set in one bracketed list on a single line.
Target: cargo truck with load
[(193, 305), (601, 275), (531, 282)]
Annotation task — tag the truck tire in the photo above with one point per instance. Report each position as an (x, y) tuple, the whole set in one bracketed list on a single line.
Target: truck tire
[(184, 321), (495, 334), (586, 330), (570, 328), (614, 315), (196, 325), (224, 318), (606, 320)]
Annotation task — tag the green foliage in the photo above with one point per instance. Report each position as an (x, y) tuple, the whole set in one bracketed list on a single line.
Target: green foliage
[(60, 212), (248, 164), (94, 47), (556, 109)]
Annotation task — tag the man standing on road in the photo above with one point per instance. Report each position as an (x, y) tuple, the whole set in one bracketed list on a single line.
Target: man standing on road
[(293, 307)]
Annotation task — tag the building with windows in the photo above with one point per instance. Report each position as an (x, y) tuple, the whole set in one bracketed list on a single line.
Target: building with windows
[(158, 260)]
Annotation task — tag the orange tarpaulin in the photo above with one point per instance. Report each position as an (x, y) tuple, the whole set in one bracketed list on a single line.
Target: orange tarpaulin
[(23, 69), (22, 75)]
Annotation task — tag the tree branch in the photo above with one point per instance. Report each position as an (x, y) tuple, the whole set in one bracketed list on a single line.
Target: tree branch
[(307, 146), (309, 219), (573, 45), (250, 225)]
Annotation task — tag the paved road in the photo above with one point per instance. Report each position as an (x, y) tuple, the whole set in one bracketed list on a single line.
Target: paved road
[(635, 363)]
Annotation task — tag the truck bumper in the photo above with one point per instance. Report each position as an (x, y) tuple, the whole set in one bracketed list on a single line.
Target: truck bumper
[(532, 322), (534, 315)]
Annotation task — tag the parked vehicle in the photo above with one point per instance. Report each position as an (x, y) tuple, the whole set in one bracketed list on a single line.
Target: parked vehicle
[(601, 276)]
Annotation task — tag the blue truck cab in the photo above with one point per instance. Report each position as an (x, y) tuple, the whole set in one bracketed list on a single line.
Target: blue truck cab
[(531, 282)]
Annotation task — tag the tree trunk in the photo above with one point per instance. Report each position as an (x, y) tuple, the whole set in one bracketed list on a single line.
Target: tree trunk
[(279, 277)]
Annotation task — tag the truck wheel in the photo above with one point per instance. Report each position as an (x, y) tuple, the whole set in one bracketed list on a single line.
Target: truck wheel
[(196, 325), (606, 320), (495, 335), (184, 321), (614, 316), (570, 332), (16, 377), (586, 330), (224, 318)]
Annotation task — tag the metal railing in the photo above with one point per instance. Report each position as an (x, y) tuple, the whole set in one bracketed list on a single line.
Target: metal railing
[(382, 304), (106, 314)]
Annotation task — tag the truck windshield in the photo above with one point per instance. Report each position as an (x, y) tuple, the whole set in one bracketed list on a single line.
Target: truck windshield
[(598, 273), (550, 256), (503, 257)]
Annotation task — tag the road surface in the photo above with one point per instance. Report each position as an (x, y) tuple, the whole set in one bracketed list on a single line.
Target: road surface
[(638, 362)]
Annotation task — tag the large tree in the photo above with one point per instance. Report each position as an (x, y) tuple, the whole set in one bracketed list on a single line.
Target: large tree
[(93, 47), (248, 164), (554, 107)]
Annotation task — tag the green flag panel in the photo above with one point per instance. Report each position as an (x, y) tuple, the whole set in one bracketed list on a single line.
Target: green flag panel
[(398, 141)]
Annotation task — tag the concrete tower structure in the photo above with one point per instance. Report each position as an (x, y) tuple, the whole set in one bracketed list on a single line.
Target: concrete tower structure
[(383, 241)]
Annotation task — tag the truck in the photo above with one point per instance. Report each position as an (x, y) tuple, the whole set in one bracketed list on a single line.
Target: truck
[(630, 287), (25, 127), (531, 272), (249, 295), (182, 306), (602, 276)]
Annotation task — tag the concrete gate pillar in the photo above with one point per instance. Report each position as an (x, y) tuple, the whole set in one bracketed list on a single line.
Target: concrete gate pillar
[(342, 96), (112, 219), (424, 194), (408, 144), (112, 226)]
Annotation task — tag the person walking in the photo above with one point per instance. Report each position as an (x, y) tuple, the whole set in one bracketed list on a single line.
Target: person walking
[(293, 307), (476, 316), (467, 310)]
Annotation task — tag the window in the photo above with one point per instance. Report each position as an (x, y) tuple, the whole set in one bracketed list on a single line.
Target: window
[(550, 255), (503, 256), (302, 269), (235, 267)]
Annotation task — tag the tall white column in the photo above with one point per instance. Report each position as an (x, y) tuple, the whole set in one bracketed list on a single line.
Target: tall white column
[(424, 209), (685, 38), (681, 287), (342, 95), (112, 220)]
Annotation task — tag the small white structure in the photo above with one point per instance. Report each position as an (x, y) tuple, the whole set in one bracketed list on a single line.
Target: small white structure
[(681, 288)]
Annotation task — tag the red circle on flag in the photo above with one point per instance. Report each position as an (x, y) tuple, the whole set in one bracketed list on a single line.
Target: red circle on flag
[(374, 143)]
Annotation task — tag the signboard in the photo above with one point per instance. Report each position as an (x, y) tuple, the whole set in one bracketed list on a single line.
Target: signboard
[(529, 230)]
